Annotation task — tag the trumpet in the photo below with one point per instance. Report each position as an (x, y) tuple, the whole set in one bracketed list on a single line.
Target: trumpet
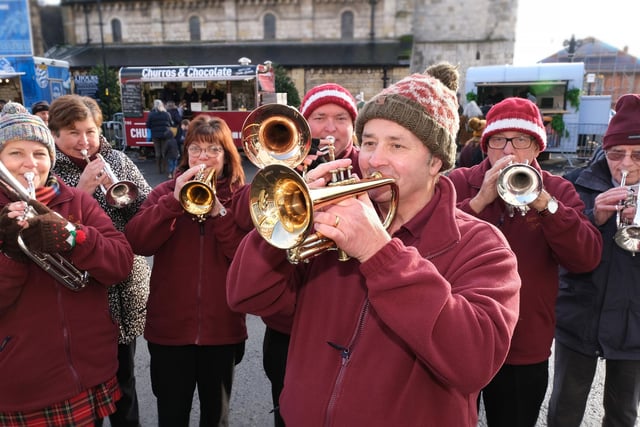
[(282, 206), (628, 235), (119, 193), (518, 185), (199, 195), (55, 265)]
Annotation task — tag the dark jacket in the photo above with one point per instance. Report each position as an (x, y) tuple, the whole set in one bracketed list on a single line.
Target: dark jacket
[(388, 341), (599, 312), (127, 299), (55, 343), (187, 301), (159, 123), (542, 244)]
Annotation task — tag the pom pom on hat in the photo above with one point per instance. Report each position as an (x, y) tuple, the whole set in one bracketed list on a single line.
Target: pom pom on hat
[(328, 93), (426, 104), (16, 124), (624, 127), (517, 115), (477, 125)]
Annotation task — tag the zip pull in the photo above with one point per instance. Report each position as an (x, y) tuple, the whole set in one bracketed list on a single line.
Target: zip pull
[(345, 353)]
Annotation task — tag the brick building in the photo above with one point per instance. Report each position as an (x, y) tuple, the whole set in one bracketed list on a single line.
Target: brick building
[(364, 45)]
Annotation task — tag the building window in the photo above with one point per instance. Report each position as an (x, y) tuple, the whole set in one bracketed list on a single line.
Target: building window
[(269, 26), (194, 28), (346, 25), (116, 30)]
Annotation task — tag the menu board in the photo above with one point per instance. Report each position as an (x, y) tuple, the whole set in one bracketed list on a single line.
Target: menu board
[(132, 99)]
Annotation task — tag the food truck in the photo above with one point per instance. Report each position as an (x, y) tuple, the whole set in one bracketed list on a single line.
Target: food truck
[(238, 88), (556, 88), (29, 79)]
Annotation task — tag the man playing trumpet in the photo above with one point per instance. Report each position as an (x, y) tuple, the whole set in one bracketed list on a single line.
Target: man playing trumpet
[(552, 233), (384, 338), (597, 312)]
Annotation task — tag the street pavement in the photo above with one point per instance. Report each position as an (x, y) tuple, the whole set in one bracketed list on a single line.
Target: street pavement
[(251, 396)]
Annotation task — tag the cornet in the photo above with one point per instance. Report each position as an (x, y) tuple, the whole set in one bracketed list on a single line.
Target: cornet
[(628, 235), (55, 265), (119, 193), (199, 195), (518, 185), (282, 206)]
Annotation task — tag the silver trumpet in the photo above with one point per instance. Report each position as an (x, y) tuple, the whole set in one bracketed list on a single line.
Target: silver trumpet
[(518, 185), (119, 193), (55, 265), (628, 235)]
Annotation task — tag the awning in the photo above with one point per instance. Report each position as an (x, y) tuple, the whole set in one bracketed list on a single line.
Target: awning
[(10, 75), (525, 83)]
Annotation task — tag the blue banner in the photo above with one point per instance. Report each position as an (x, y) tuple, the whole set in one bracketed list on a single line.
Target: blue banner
[(15, 31)]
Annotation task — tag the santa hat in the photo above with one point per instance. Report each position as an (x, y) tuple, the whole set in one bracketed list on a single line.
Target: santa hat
[(328, 93), (16, 124), (426, 104), (624, 127), (516, 115)]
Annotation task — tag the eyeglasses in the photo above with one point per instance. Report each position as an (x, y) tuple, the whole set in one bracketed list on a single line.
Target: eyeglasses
[(616, 155), (518, 142), (211, 150)]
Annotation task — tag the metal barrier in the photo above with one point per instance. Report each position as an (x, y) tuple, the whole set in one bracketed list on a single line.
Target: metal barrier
[(113, 130), (579, 140)]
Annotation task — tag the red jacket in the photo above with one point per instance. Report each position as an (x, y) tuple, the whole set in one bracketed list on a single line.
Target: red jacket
[(541, 244), (407, 338), (187, 300), (56, 343)]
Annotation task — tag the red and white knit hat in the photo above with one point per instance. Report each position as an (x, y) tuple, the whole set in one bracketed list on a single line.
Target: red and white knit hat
[(328, 93), (426, 104), (517, 115)]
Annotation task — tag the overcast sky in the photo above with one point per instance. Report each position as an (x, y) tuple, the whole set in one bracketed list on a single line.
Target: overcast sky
[(544, 25)]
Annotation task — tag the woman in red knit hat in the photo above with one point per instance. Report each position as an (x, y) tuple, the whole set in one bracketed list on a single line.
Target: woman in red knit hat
[(548, 233)]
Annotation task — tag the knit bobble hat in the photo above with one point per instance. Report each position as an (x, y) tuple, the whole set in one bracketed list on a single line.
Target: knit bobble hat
[(426, 104), (624, 127), (517, 115), (16, 124), (328, 93)]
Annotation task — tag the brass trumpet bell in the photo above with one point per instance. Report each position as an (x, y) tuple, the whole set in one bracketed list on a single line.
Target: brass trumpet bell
[(276, 134), (282, 206), (198, 195)]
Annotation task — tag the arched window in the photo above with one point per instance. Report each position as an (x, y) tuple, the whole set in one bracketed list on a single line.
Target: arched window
[(194, 28), (116, 30), (269, 26), (346, 25)]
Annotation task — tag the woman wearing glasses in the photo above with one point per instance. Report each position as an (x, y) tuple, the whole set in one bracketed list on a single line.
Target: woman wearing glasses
[(598, 312), (552, 233), (194, 338)]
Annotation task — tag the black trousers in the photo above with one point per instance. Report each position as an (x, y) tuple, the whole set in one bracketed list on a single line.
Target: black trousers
[(127, 414), (514, 396), (573, 376), (274, 359), (177, 370)]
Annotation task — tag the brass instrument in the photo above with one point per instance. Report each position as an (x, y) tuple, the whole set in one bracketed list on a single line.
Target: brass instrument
[(119, 193), (276, 139), (276, 134), (628, 235), (518, 185), (199, 195), (282, 206), (55, 265)]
